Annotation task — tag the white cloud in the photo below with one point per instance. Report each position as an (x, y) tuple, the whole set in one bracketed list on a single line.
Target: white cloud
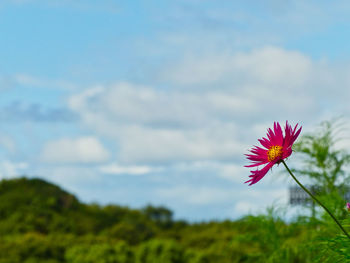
[(264, 66), (79, 150), (122, 169), (148, 145), (135, 104)]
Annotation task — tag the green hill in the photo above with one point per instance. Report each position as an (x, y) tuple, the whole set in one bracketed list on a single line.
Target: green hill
[(34, 196), (34, 205)]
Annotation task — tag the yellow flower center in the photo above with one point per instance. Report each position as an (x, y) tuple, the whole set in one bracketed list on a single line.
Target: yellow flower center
[(274, 153)]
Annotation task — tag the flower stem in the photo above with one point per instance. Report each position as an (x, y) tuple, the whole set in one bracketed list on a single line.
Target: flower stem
[(313, 197)]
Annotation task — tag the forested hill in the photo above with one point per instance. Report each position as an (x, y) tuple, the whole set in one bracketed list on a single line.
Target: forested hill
[(34, 205)]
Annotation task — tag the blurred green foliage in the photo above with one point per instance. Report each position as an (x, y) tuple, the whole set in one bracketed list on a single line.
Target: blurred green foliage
[(40, 222), (325, 164)]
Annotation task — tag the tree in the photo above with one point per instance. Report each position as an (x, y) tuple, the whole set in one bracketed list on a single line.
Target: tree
[(160, 215)]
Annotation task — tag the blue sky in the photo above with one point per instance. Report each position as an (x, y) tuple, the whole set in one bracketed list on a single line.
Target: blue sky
[(138, 102)]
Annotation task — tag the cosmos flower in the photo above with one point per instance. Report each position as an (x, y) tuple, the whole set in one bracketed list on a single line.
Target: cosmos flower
[(348, 206), (277, 147)]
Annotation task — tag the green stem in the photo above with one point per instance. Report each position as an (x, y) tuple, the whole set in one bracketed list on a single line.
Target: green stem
[(319, 202)]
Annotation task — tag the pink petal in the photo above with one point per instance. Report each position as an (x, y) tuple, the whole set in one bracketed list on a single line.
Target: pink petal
[(256, 164), (265, 142), (278, 133), (257, 175)]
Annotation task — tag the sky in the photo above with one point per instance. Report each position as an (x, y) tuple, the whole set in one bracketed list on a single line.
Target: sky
[(156, 102)]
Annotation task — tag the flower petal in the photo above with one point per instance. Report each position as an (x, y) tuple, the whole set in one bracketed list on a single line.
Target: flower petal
[(257, 175), (278, 133), (256, 164)]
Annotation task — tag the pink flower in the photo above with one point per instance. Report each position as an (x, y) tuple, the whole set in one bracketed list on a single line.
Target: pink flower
[(348, 206), (276, 148)]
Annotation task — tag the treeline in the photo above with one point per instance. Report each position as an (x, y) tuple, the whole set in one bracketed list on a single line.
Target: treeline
[(39, 222)]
